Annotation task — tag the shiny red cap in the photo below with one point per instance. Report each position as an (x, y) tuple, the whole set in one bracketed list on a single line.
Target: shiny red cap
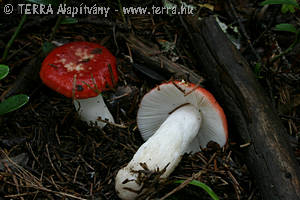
[(79, 69)]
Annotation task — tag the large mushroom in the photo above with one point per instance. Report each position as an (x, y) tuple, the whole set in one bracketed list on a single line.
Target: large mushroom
[(82, 70), (174, 118)]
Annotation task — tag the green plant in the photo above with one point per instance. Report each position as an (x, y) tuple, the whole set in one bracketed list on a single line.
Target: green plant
[(69, 20), (13, 37), (14, 102), (286, 5), (287, 28), (257, 70), (205, 187), (4, 69)]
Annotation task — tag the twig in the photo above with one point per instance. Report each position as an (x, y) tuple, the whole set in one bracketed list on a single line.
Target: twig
[(75, 175), (21, 195), (182, 185), (32, 153), (112, 124), (86, 163), (115, 40), (142, 50), (290, 117), (33, 182), (178, 87), (243, 30), (192, 90), (51, 163), (236, 185)]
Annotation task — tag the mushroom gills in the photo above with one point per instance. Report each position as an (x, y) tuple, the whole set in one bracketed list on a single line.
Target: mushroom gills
[(163, 150), (92, 108)]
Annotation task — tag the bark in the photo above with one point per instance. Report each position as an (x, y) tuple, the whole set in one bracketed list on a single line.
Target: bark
[(269, 156), (154, 59)]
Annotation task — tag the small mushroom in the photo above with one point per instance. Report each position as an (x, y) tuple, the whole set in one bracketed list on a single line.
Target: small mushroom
[(174, 118), (82, 70)]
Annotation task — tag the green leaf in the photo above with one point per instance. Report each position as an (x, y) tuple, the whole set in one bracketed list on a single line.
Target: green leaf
[(211, 193), (282, 2), (69, 20), (4, 69), (287, 8), (45, 2), (257, 70), (285, 27), (13, 103), (47, 47)]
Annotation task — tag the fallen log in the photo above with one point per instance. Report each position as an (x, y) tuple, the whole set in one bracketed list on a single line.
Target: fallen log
[(269, 156), (146, 54)]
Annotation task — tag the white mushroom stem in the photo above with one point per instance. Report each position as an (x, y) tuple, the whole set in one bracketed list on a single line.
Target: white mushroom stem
[(164, 148), (92, 108)]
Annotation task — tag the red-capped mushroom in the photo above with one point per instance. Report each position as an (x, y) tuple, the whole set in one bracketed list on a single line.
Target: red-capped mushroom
[(82, 70), (175, 118)]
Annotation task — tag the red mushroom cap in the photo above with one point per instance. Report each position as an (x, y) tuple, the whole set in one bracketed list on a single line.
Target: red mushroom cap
[(79, 69)]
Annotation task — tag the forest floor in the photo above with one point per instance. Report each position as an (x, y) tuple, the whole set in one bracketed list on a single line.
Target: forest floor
[(47, 152)]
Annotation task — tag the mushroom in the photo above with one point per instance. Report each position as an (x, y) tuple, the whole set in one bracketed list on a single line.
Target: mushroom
[(174, 118), (82, 70)]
